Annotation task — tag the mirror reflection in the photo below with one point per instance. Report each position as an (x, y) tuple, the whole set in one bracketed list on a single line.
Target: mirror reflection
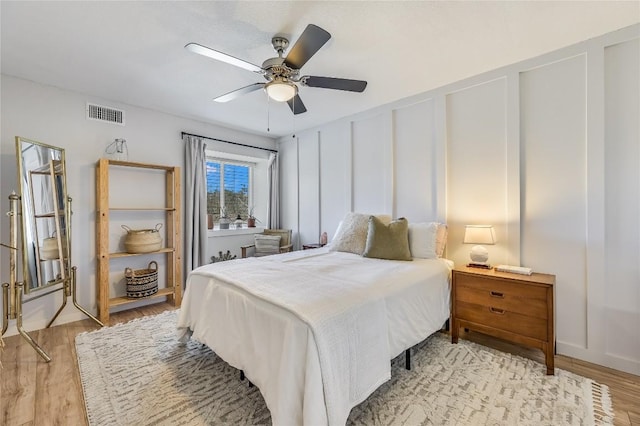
[(43, 194)]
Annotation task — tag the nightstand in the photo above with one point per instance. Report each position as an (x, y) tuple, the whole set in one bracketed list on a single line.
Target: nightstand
[(513, 307), (312, 246)]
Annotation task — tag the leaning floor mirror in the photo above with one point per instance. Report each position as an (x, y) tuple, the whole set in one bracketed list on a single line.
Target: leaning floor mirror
[(44, 219)]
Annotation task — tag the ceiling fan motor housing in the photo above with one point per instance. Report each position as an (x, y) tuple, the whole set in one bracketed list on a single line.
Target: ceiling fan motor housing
[(275, 67)]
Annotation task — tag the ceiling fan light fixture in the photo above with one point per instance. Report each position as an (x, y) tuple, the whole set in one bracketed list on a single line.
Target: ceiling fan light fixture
[(280, 90)]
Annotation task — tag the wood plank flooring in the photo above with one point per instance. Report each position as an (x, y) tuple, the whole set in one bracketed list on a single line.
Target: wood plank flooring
[(33, 392)]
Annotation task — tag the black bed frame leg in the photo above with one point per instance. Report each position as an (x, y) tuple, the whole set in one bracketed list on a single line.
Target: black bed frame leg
[(407, 359), (242, 378)]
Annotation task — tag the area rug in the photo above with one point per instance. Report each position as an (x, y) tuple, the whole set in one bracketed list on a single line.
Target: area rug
[(139, 374)]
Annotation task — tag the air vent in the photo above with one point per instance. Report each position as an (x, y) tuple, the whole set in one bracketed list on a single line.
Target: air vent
[(103, 113)]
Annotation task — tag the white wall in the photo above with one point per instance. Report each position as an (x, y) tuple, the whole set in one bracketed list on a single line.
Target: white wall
[(547, 150), (57, 117)]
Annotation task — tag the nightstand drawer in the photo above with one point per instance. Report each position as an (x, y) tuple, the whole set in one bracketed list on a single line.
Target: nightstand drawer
[(522, 289), (502, 319), (504, 296)]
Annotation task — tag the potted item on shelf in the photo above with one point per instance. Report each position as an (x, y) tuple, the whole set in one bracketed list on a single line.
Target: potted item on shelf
[(142, 240), (251, 219), (224, 219)]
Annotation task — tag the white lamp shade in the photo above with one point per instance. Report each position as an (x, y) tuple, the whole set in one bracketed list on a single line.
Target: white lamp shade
[(280, 91), (479, 234)]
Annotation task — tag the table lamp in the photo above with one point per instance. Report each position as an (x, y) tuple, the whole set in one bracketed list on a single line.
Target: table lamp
[(479, 234)]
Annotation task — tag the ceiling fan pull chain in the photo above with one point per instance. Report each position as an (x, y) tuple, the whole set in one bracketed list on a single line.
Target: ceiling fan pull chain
[(293, 118), (268, 114)]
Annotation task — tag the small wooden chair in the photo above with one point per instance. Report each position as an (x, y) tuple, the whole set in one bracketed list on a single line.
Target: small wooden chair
[(285, 243)]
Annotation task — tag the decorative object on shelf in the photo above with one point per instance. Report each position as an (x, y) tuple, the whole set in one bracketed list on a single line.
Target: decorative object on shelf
[(142, 240), (117, 150), (223, 257), (251, 219), (479, 234), (50, 249), (238, 222), (142, 282), (210, 221), (224, 219), (323, 239)]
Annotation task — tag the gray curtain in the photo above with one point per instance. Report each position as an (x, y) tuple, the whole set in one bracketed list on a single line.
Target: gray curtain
[(195, 241), (273, 208)]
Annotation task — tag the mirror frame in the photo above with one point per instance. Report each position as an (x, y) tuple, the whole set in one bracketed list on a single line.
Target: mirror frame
[(60, 259)]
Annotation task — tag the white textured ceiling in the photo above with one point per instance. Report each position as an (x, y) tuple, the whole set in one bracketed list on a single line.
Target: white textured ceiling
[(133, 52)]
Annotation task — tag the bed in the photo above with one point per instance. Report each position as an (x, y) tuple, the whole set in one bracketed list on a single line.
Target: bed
[(315, 330)]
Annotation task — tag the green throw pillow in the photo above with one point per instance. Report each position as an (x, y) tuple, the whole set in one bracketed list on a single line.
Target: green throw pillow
[(388, 241)]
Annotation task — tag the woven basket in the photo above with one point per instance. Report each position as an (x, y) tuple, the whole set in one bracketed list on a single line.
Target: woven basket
[(142, 282), (142, 240)]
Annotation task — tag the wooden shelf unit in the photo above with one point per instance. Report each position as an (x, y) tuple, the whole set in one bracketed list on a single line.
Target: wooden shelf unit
[(173, 242)]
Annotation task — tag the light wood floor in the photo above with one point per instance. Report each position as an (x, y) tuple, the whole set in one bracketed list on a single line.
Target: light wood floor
[(33, 392)]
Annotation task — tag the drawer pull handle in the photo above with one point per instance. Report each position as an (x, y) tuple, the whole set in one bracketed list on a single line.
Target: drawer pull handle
[(496, 311), (497, 294)]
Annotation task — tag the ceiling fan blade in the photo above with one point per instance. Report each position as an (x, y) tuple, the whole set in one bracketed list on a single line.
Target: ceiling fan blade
[(239, 92), (219, 56), (296, 105), (334, 83), (309, 42)]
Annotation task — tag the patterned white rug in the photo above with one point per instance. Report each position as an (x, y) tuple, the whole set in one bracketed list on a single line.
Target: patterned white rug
[(139, 374)]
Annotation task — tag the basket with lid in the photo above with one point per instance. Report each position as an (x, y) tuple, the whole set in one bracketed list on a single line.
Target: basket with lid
[(142, 282), (142, 240)]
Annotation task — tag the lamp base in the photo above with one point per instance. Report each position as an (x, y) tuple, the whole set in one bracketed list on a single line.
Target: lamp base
[(479, 265)]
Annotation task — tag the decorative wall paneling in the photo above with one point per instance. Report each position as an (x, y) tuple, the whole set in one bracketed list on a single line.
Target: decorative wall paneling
[(289, 208), (621, 286), (335, 175), (415, 180), (370, 164), (309, 188), (553, 181), (547, 150), (476, 166)]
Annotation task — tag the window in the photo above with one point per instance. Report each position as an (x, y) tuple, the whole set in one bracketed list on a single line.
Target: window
[(228, 188)]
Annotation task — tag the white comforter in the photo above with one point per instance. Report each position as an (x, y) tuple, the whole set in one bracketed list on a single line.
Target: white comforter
[(315, 330)]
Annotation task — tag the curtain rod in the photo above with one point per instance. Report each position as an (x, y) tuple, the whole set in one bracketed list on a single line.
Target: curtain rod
[(233, 143)]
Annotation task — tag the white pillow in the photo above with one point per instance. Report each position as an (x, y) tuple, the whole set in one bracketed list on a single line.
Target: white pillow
[(351, 236), (422, 240), (338, 230), (441, 238)]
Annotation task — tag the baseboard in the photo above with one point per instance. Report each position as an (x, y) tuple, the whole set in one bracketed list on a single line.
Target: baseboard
[(604, 359), (70, 314)]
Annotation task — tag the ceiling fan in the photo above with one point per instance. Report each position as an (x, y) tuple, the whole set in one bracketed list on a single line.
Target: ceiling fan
[(283, 73)]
